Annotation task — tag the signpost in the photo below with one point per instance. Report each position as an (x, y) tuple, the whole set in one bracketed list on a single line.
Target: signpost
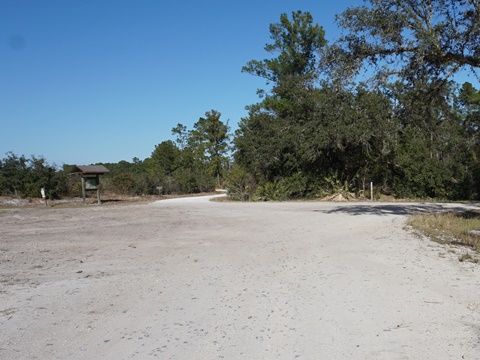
[(90, 178), (44, 198)]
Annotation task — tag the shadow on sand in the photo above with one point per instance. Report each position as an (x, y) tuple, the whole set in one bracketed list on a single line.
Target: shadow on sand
[(398, 209)]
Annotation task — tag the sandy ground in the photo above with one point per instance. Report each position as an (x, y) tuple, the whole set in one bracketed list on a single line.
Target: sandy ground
[(193, 279)]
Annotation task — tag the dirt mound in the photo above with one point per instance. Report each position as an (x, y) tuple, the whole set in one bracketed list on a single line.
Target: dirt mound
[(339, 197)]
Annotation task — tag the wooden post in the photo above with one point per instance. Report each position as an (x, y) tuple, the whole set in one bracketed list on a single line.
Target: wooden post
[(84, 193), (90, 176), (98, 189)]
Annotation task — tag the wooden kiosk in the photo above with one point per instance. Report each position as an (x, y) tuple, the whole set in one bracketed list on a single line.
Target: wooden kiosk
[(90, 178)]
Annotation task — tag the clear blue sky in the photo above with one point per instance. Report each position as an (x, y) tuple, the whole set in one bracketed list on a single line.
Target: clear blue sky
[(86, 81)]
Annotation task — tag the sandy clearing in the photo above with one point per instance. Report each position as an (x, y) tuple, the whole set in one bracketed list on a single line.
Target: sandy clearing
[(193, 279)]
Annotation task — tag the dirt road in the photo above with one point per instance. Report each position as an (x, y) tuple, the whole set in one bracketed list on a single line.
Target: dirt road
[(193, 279)]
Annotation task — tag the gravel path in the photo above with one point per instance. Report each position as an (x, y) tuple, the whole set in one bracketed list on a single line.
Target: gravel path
[(193, 279)]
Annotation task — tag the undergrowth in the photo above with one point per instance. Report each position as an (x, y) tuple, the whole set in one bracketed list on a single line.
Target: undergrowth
[(462, 228)]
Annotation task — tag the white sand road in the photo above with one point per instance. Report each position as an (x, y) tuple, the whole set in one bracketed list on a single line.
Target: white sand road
[(193, 279)]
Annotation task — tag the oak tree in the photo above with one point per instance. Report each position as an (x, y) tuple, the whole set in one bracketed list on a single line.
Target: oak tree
[(399, 37)]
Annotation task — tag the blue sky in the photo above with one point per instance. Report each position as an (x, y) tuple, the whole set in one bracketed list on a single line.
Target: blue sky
[(87, 81), (106, 80)]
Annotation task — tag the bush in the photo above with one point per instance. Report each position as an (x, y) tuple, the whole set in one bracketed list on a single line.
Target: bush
[(240, 184), (124, 183), (295, 186), (24, 177), (270, 191)]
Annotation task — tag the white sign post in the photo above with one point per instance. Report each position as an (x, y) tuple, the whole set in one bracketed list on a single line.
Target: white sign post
[(44, 198)]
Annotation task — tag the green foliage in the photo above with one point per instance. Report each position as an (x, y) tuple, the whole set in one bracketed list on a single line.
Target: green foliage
[(408, 128), (211, 135), (13, 173), (193, 180), (240, 184), (163, 160), (199, 157), (127, 178), (414, 48), (269, 142), (401, 38), (333, 185), (123, 166), (270, 191), (124, 183), (161, 166), (413, 137), (190, 164), (296, 41), (294, 186), (24, 177)]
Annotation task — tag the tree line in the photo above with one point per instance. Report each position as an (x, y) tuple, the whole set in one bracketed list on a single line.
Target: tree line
[(379, 105), (194, 162)]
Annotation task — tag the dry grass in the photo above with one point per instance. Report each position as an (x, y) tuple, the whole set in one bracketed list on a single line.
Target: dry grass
[(462, 228)]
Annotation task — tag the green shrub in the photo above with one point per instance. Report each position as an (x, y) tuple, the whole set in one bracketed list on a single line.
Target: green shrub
[(240, 184), (123, 183), (295, 186), (271, 191)]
